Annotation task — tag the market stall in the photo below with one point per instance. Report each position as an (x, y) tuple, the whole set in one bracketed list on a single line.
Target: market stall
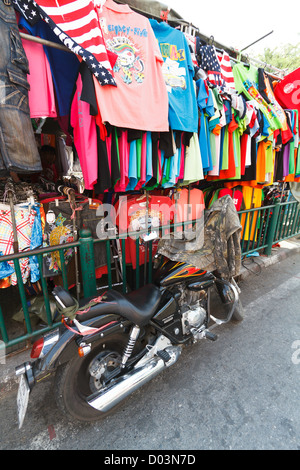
[(130, 100)]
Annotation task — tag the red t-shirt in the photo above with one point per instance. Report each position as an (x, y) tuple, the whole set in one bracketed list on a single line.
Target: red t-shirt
[(131, 217), (236, 194), (287, 92)]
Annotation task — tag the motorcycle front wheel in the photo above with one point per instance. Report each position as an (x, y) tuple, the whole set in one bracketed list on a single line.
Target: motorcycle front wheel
[(221, 303), (80, 377)]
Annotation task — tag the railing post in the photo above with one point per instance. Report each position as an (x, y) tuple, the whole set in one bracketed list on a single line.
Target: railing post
[(86, 250), (272, 228)]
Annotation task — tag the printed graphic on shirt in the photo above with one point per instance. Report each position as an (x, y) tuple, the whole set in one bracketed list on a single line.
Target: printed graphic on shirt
[(174, 75), (57, 232), (252, 90), (295, 88), (129, 65), (171, 51)]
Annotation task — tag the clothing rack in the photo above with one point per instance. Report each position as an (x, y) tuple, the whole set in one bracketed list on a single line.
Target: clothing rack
[(194, 31), (184, 26), (264, 65), (45, 42)]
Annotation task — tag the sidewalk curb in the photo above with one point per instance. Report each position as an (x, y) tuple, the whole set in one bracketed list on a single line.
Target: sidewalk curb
[(287, 249), (9, 381)]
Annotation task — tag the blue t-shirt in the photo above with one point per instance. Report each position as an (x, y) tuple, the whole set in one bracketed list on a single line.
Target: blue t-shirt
[(178, 73), (206, 107)]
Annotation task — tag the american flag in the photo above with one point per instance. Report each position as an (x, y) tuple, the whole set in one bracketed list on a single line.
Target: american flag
[(226, 69), (76, 24)]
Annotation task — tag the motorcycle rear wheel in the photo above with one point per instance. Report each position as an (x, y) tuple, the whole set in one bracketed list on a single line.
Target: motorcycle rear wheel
[(73, 381)]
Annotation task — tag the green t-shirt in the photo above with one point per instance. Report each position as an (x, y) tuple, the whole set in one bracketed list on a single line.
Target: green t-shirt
[(246, 81)]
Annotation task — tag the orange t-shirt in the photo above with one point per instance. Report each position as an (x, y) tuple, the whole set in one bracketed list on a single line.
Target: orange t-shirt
[(140, 100)]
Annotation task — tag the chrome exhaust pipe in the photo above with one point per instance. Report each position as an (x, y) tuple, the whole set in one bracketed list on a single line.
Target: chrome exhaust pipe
[(128, 383)]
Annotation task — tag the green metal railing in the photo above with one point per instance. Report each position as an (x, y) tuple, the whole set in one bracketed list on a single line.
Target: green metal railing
[(39, 253), (288, 221), (262, 228), (265, 226), (255, 232)]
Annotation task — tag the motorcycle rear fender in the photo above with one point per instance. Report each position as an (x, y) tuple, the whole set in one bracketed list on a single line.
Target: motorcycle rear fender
[(67, 345)]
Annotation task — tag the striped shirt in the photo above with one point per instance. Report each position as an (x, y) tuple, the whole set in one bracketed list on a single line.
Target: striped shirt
[(226, 69)]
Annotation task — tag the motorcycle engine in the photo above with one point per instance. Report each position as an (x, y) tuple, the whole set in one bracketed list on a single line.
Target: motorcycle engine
[(193, 307), (193, 318)]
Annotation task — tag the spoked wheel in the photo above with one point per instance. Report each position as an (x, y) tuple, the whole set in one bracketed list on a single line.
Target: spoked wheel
[(81, 377)]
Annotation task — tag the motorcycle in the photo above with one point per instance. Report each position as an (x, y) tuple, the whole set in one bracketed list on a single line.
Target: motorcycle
[(108, 347)]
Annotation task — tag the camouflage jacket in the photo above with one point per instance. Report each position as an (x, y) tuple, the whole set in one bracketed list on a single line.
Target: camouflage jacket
[(212, 245)]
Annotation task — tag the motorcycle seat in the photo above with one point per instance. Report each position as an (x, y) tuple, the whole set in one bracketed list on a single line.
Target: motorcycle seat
[(138, 306)]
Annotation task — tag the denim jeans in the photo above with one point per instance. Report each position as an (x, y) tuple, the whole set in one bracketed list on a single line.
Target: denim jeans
[(18, 149)]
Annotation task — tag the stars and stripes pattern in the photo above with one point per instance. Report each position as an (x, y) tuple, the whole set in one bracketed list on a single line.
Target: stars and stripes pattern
[(76, 24), (28, 9), (209, 59), (217, 65), (226, 69), (210, 63)]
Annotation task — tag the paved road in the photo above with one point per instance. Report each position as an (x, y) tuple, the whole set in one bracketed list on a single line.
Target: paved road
[(240, 392)]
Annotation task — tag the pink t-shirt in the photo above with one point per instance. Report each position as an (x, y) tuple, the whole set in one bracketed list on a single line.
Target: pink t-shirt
[(85, 137), (41, 93), (140, 100), (121, 185)]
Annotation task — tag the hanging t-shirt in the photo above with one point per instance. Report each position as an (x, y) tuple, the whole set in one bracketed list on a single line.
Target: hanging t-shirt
[(124, 161), (206, 107), (193, 170), (132, 166), (252, 198), (230, 171), (140, 100), (235, 194), (226, 69), (132, 216), (266, 90), (287, 92), (178, 71), (246, 81), (41, 93), (192, 41), (85, 135), (64, 65), (76, 25), (209, 62), (188, 205)]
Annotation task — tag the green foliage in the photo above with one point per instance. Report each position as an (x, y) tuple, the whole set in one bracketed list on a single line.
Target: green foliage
[(286, 57)]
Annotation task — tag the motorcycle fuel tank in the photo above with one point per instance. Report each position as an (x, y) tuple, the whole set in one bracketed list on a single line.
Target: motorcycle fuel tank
[(172, 272)]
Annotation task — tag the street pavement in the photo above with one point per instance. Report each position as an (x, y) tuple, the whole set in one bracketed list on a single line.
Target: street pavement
[(240, 392)]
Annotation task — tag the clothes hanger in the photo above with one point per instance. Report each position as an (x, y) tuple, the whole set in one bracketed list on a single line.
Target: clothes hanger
[(211, 41)]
